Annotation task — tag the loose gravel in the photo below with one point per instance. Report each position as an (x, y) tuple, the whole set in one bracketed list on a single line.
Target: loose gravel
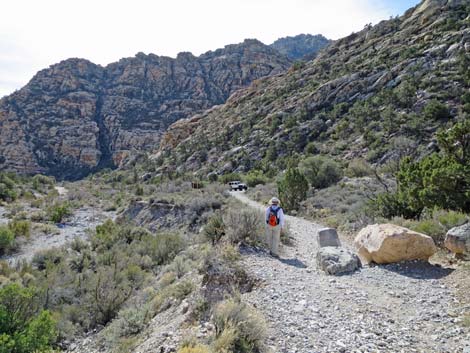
[(405, 307)]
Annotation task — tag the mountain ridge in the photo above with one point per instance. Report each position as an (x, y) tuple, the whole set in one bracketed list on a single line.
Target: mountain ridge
[(76, 117), (352, 101)]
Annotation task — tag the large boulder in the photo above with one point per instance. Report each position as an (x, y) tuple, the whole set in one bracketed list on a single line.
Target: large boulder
[(328, 237), (389, 243), (458, 240), (335, 260)]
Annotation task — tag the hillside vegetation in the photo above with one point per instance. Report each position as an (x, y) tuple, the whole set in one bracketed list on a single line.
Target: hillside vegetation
[(378, 94)]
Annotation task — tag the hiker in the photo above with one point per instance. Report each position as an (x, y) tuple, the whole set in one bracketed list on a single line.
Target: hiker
[(274, 225)]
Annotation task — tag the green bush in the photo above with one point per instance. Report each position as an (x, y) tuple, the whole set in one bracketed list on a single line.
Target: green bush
[(7, 239), (7, 188), (255, 177), (24, 327), (41, 182), (292, 189), (320, 171), (359, 168), (435, 110), (440, 180), (163, 248), (20, 228), (430, 227), (56, 213), (450, 219)]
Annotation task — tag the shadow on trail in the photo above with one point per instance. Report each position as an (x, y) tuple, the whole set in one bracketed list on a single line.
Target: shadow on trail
[(418, 269), (293, 262)]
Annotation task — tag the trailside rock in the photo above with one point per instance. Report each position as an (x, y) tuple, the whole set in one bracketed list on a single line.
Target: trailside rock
[(388, 243), (458, 240), (335, 261), (328, 237)]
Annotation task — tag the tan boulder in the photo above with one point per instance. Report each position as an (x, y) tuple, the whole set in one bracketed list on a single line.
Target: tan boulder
[(388, 243)]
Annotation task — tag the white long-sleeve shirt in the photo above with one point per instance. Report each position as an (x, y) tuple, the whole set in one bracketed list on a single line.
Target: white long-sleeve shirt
[(280, 215)]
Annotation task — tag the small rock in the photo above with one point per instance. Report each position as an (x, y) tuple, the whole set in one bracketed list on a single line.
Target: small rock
[(335, 261)]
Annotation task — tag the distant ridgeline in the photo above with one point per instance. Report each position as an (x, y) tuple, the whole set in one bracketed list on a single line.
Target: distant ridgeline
[(77, 117), (378, 94)]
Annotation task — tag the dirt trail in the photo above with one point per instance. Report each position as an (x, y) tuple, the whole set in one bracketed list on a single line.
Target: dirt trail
[(394, 308)]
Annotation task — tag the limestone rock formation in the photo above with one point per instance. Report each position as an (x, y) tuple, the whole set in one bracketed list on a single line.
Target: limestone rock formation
[(336, 261), (76, 117), (389, 243), (458, 240)]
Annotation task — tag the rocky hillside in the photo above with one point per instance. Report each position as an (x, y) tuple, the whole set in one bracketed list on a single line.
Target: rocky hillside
[(76, 117), (302, 46), (376, 94)]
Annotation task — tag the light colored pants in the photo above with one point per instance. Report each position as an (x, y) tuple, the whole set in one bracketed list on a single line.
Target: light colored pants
[(273, 237)]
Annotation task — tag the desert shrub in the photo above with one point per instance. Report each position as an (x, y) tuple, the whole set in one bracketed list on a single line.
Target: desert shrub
[(180, 266), (255, 177), (130, 321), (20, 228), (7, 239), (25, 328), (292, 189), (162, 248), (389, 205), (57, 212), (176, 291), (243, 225), (225, 341), (440, 180), (436, 110), (41, 181), (450, 219), (359, 168), (7, 188), (430, 227), (244, 322), (214, 230), (110, 292), (43, 257), (320, 171)]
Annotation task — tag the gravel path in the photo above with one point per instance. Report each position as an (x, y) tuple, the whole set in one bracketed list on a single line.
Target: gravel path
[(403, 307)]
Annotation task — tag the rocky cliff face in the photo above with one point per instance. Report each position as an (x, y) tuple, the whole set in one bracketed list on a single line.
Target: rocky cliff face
[(377, 94), (77, 117), (301, 47)]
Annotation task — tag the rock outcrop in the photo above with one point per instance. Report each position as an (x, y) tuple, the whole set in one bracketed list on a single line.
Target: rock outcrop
[(363, 96), (458, 240), (77, 117), (337, 261), (389, 243), (301, 47)]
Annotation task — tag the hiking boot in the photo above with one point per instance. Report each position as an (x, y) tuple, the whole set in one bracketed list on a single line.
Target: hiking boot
[(276, 256)]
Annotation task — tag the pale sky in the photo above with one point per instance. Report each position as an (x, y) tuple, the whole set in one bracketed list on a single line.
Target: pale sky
[(35, 34)]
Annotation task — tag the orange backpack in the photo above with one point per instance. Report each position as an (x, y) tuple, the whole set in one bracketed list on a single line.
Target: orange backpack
[(273, 218)]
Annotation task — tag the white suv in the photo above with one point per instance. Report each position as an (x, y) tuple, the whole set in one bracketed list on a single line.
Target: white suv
[(237, 185)]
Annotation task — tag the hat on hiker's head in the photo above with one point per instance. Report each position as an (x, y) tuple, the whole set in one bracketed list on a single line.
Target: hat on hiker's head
[(274, 201)]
